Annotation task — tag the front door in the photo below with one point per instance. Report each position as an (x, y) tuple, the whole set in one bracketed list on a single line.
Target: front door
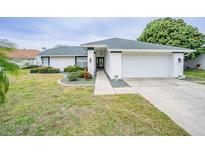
[(100, 62)]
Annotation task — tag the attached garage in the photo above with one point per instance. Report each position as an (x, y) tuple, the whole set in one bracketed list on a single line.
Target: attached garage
[(135, 59), (147, 65)]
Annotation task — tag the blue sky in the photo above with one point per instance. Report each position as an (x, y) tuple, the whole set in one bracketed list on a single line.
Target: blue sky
[(48, 32)]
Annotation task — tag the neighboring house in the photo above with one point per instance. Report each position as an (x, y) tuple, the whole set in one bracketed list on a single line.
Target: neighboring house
[(199, 61), (24, 57), (120, 58)]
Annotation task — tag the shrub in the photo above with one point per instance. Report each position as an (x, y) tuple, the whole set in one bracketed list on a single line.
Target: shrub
[(73, 76), (42, 70), (45, 70), (72, 68), (68, 69), (77, 68), (87, 75), (30, 66), (53, 70), (34, 71), (80, 73)]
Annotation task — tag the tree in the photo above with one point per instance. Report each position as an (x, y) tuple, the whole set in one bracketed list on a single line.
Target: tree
[(174, 32), (5, 66)]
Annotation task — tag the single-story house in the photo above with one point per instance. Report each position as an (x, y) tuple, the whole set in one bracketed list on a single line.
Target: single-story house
[(120, 58), (23, 57)]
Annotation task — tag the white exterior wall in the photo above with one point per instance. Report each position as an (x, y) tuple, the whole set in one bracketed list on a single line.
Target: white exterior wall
[(178, 64), (147, 65), (100, 53), (199, 60), (91, 62), (62, 62), (107, 62), (115, 65), (37, 61)]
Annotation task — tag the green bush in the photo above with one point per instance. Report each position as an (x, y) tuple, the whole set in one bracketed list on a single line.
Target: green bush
[(73, 76), (34, 71), (53, 70), (42, 70), (80, 73), (30, 66), (72, 68), (68, 69), (45, 70)]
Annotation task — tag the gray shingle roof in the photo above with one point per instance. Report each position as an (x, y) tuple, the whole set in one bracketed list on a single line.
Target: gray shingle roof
[(65, 50), (118, 43)]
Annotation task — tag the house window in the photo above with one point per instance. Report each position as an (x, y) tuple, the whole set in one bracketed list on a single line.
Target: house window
[(82, 61), (45, 61)]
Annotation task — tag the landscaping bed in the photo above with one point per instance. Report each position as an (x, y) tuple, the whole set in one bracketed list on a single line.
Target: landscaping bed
[(79, 81), (119, 83), (75, 75)]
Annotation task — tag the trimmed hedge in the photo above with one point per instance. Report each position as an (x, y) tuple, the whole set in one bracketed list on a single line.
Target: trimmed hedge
[(72, 68), (34, 71), (53, 70), (45, 70), (30, 66)]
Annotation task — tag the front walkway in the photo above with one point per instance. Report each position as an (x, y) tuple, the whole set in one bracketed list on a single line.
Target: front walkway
[(102, 85)]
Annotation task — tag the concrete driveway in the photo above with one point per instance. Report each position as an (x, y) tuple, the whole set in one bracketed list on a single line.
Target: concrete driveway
[(182, 101)]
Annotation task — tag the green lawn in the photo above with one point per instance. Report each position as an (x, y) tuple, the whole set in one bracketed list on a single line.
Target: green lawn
[(195, 74), (38, 105)]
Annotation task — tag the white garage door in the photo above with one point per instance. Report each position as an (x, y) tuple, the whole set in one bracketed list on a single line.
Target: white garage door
[(138, 65), (62, 62)]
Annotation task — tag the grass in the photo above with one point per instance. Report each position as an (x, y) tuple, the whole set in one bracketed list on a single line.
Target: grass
[(38, 105), (195, 75)]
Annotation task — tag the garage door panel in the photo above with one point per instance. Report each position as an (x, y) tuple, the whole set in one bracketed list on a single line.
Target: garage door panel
[(146, 65)]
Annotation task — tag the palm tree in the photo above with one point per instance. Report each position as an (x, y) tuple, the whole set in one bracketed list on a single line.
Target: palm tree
[(5, 66)]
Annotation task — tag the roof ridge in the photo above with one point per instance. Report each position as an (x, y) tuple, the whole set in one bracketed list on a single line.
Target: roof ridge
[(161, 44), (26, 49), (122, 43), (65, 50)]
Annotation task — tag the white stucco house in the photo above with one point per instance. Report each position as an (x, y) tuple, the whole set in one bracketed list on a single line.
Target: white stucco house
[(120, 58)]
